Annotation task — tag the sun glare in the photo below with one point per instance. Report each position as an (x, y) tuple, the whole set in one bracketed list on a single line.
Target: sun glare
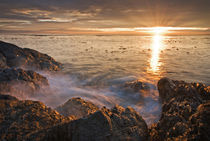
[(159, 30), (156, 47)]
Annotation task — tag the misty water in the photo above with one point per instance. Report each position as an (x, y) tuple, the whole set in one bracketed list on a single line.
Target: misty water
[(96, 67)]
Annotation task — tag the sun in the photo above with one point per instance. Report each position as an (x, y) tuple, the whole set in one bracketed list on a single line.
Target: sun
[(159, 30), (154, 30)]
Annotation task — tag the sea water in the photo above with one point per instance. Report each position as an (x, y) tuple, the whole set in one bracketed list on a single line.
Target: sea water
[(96, 67)]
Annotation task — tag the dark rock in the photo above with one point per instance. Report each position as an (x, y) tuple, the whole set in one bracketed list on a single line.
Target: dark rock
[(20, 118), (166, 89), (116, 124), (169, 89), (77, 107), (3, 62), (19, 82), (14, 56), (200, 123), (7, 97), (138, 85), (185, 115), (203, 90), (181, 113)]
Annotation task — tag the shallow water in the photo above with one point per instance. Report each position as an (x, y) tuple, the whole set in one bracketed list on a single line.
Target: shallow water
[(95, 66)]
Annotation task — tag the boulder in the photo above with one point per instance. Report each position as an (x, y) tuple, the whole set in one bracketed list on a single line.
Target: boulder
[(137, 86), (20, 118), (115, 124), (203, 90), (200, 123), (77, 107), (21, 82), (14, 56), (3, 62), (7, 97), (181, 112), (169, 89)]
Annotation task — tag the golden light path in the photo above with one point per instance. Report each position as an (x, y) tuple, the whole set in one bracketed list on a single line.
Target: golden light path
[(157, 45)]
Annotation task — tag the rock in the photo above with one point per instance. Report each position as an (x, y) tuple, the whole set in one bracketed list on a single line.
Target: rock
[(14, 56), (21, 82), (77, 107), (185, 115), (169, 89), (3, 62), (200, 123), (203, 90), (166, 89), (180, 103), (138, 85), (20, 118), (116, 124), (7, 97)]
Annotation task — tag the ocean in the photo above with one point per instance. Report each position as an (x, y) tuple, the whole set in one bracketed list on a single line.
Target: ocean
[(96, 67)]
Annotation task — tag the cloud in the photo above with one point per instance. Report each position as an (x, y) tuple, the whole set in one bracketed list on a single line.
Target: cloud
[(103, 13)]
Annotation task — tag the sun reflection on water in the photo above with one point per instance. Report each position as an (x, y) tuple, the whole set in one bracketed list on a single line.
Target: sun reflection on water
[(157, 46)]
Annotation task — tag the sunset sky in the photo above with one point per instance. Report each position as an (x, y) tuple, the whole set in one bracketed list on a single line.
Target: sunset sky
[(104, 16)]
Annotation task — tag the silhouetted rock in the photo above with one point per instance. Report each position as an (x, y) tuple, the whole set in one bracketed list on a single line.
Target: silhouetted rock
[(14, 56), (3, 62), (77, 107), (7, 97), (19, 82), (116, 124), (20, 118), (181, 113)]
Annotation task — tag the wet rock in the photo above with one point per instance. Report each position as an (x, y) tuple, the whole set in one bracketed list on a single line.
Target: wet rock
[(3, 62), (14, 56), (77, 107), (7, 97), (200, 123), (115, 124), (20, 118), (203, 90), (166, 89), (180, 110), (138, 85), (21, 82), (169, 89)]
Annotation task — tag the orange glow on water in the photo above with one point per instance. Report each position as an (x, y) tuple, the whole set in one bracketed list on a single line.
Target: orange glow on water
[(156, 47)]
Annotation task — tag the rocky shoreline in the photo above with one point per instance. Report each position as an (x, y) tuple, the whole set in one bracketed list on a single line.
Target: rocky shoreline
[(185, 107)]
